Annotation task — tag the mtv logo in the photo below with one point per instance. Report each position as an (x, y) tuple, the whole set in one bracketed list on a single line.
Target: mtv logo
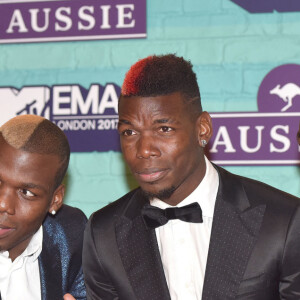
[(268, 6), (28, 100)]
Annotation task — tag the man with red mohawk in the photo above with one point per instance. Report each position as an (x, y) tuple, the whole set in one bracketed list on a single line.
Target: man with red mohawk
[(191, 230)]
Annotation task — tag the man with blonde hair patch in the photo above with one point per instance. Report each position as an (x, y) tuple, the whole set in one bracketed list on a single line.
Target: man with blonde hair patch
[(40, 238)]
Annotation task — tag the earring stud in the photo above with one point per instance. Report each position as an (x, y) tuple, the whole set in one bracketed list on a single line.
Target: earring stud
[(204, 143), (53, 212)]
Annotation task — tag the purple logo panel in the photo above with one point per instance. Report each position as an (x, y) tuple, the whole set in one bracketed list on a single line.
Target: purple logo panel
[(89, 117), (268, 6), (41, 21), (86, 134), (280, 90), (254, 138)]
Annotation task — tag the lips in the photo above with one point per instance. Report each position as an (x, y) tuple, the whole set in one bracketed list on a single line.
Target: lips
[(5, 230), (151, 175)]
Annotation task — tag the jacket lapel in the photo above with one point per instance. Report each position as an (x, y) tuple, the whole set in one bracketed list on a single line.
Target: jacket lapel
[(234, 232), (139, 253), (50, 271)]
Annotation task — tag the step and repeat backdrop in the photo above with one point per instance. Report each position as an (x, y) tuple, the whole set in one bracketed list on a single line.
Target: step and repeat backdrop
[(66, 60)]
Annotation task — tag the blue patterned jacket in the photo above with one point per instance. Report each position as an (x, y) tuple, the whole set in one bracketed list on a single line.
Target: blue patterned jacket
[(60, 259)]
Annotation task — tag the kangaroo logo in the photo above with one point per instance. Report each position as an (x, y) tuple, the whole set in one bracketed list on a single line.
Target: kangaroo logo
[(279, 90), (287, 92)]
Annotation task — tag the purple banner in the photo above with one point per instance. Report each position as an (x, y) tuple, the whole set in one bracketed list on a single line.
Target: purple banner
[(89, 117), (55, 20), (266, 137), (268, 6), (254, 139)]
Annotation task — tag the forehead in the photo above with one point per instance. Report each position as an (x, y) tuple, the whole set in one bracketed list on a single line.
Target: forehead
[(21, 166), (171, 105)]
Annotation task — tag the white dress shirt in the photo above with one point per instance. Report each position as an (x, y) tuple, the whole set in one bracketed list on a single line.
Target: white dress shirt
[(184, 246), (20, 279)]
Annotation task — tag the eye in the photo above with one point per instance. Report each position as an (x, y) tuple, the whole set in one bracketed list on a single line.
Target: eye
[(128, 132), (27, 193), (165, 129)]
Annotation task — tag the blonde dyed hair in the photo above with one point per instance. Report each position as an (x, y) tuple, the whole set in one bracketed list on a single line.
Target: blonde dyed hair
[(17, 131), (36, 134)]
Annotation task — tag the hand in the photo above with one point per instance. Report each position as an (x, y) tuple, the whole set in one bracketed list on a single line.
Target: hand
[(68, 297)]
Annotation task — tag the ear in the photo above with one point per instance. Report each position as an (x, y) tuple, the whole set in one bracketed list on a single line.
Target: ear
[(57, 199), (204, 126)]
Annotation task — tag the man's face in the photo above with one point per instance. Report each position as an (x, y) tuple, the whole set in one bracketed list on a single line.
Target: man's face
[(26, 195), (160, 141)]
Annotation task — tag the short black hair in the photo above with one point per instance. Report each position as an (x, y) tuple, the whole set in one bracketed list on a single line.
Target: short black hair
[(163, 75)]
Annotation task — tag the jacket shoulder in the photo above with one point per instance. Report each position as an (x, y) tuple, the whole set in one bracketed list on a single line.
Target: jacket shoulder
[(111, 211), (69, 220), (258, 192)]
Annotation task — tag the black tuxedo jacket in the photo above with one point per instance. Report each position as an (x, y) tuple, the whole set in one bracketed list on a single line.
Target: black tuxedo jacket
[(60, 259), (254, 251)]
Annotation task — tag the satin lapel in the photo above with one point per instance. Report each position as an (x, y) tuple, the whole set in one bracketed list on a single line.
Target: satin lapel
[(234, 232), (140, 254), (50, 271)]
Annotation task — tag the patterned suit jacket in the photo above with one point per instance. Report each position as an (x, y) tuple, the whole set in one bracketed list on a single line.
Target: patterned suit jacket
[(60, 259), (253, 253)]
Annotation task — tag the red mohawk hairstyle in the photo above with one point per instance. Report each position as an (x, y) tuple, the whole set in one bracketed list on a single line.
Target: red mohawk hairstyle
[(133, 77), (159, 75)]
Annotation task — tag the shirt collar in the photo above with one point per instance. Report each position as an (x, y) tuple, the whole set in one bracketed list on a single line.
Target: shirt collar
[(35, 245), (205, 193)]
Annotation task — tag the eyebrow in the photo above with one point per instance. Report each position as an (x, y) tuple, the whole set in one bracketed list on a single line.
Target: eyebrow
[(30, 185), (158, 121), (122, 121), (33, 186), (163, 121)]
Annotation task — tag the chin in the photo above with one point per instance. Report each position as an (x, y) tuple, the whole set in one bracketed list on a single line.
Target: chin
[(162, 194)]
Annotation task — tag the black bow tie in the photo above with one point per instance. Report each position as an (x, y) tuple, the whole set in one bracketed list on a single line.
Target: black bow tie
[(155, 217)]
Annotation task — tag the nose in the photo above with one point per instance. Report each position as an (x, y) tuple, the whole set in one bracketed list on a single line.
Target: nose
[(7, 201), (147, 147)]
